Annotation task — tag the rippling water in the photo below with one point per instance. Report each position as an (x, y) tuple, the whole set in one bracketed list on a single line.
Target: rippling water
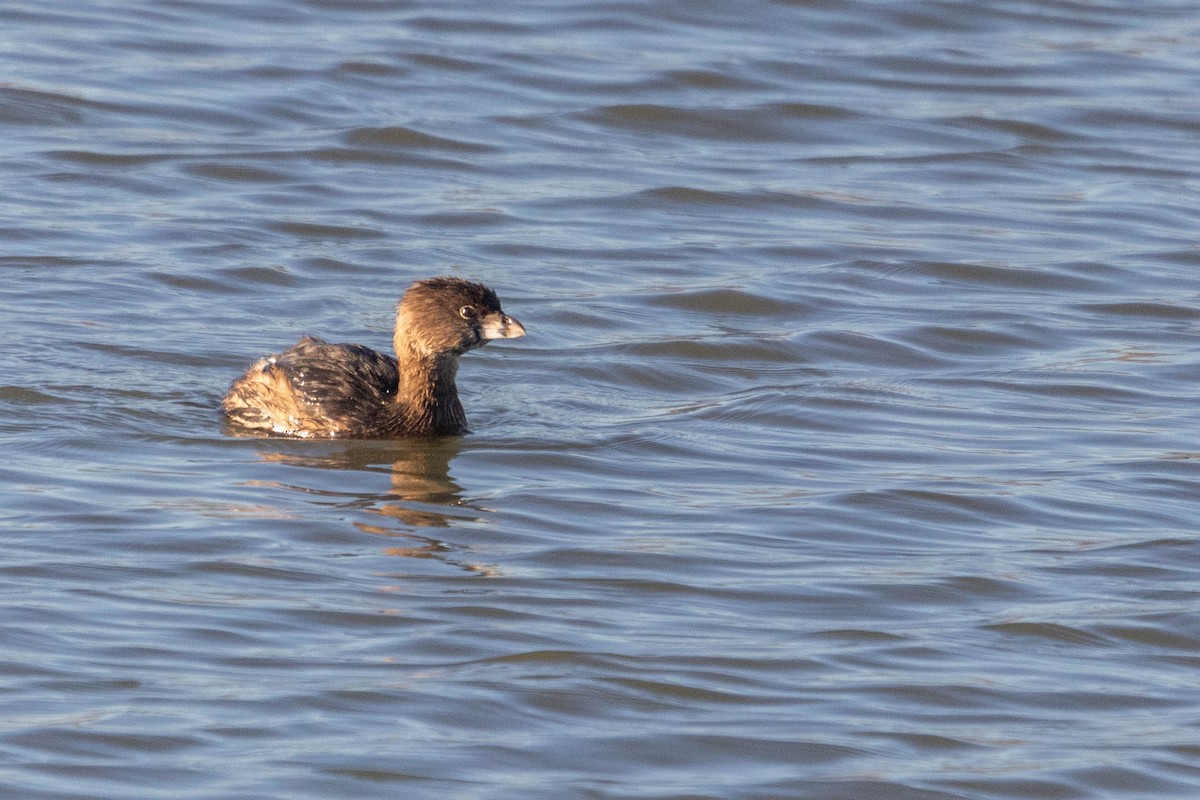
[(853, 452)]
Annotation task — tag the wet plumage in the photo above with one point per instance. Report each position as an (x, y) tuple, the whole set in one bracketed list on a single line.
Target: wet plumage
[(318, 389)]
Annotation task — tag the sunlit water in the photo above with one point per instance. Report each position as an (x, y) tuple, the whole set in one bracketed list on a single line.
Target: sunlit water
[(852, 452)]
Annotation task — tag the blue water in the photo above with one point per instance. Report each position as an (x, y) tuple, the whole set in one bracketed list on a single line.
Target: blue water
[(852, 452)]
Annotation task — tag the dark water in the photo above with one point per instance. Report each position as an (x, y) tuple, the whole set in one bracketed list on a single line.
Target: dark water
[(853, 452)]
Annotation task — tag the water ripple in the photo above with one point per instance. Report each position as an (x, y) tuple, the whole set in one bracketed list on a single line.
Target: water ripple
[(851, 451)]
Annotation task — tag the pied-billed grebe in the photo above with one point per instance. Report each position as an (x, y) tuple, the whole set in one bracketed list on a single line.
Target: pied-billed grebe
[(347, 390)]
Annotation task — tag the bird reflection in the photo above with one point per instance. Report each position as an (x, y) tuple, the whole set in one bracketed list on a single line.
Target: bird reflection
[(422, 494)]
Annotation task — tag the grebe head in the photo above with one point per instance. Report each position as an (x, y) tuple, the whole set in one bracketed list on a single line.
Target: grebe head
[(451, 315)]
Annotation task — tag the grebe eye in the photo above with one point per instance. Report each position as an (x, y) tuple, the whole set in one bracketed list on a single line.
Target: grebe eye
[(467, 312)]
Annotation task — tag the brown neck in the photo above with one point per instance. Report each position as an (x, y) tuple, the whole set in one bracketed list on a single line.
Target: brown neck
[(426, 398)]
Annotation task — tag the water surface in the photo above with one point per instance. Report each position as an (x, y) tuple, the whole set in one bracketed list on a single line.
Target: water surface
[(852, 451)]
